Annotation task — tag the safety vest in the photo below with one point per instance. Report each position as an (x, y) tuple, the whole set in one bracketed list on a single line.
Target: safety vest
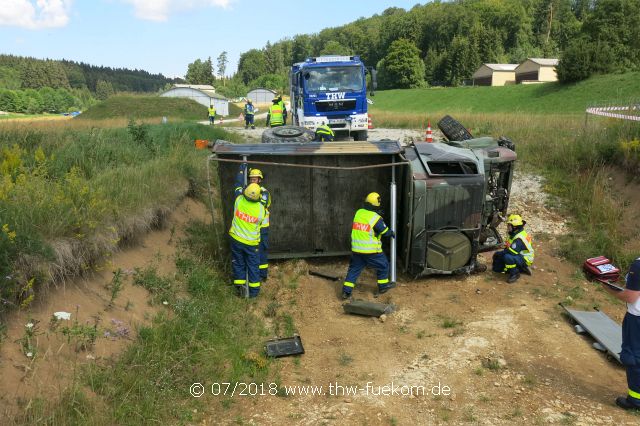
[(363, 237), (282, 106), (528, 242), (265, 200), (247, 219), (325, 132), (275, 115), (248, 109), (212, 112)]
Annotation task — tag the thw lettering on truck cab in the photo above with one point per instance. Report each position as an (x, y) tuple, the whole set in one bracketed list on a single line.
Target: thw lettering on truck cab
[(245, 217), (337, 95), (365, 227)]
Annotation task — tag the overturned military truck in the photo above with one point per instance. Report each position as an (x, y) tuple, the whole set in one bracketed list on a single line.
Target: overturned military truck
[(443, 200)]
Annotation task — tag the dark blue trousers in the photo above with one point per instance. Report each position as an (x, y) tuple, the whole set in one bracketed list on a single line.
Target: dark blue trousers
[(248, 120), (630, 355), (505, 261), (264, 252), (359, 261), (244, 264)]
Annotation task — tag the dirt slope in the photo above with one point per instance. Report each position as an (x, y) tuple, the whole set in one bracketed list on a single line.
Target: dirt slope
[(88, 300)]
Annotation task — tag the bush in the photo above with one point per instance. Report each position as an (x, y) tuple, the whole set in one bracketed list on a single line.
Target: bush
[(582, 58)]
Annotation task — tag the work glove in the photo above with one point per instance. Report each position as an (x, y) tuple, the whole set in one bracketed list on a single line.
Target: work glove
[(243, 167), (390, 234)]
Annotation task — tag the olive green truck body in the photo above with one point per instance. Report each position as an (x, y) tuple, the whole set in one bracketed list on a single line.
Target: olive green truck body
[(448, 198)]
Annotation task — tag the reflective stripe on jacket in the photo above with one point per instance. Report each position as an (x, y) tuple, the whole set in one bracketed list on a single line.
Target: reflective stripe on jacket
[(526, 239), (325, 132), (247, 219), (275, 115), (363, 236)]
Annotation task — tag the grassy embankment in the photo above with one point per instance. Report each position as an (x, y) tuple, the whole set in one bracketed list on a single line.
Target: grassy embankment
[(70, 193), (553, 137), (145, 107)]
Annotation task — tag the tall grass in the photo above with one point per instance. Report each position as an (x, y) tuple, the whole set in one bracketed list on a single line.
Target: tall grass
[(68, 195)]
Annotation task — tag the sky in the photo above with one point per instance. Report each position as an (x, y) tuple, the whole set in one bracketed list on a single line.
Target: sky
[(164, 36)]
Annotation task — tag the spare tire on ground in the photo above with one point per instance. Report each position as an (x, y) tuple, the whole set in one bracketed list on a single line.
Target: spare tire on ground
[(287, 134), (453, 130)]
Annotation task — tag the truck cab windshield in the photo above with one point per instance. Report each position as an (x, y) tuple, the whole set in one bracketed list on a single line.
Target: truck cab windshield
[(334, 79)]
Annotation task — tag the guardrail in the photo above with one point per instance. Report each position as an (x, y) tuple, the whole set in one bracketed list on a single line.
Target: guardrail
[(616, 111)]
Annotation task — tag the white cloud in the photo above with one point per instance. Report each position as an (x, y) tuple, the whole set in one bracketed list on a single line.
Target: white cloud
[(35, 15), (159, 10)]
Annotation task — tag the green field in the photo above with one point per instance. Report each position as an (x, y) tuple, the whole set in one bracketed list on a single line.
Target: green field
[(548, 98), (144, 107), (139, 107)]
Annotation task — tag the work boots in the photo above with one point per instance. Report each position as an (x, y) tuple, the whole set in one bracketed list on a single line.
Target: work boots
[(513, 278), (386, 288), (525, 270), (624, 403)]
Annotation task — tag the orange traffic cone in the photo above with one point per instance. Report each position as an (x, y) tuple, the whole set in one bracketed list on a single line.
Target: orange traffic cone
[(429, 136), (370, 123)]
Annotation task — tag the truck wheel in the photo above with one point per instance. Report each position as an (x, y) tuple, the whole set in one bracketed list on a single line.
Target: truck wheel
[(453, 130), (360, 135), (287, 134)]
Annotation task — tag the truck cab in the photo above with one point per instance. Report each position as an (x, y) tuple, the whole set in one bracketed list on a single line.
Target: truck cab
[(331, 90)]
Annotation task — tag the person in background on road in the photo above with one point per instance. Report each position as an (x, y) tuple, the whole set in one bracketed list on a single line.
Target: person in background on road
[(366, 246), (212, 115), (255, 176), (248, 114), (324, 134), (275, 116), (284, 109), (518, 253), (248, 216), (630, 354)]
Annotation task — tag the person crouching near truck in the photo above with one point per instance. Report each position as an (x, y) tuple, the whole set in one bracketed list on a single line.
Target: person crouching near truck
[(630, 354), (255, 176), (518, 253), (275, 116), (324, 133), (366, 246), (248, 216)]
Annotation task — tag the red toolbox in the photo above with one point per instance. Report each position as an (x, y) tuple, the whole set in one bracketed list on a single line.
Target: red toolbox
[(601, 269)]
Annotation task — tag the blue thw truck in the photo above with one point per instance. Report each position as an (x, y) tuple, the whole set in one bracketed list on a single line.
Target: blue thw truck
[(331, 90)]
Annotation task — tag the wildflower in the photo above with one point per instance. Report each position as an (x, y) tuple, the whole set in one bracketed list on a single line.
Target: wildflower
[(164, 302), (29, 325), (29, 354)]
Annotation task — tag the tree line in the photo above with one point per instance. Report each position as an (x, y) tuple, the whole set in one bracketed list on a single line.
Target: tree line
[(29, 85), (444, 42)]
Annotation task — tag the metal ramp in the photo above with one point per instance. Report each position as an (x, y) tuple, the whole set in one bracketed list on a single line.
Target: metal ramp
[(605, 331)]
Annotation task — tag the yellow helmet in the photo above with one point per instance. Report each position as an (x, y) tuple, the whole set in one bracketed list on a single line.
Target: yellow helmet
[(252, 192), (256, 173), (515, 220), (373, 199)]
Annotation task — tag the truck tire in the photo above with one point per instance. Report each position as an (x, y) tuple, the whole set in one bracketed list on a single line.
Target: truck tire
[(453, 130), (287, 134), (360, 135)]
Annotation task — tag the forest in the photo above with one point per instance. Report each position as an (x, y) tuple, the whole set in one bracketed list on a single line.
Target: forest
[(442, 43), (32, 86)]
